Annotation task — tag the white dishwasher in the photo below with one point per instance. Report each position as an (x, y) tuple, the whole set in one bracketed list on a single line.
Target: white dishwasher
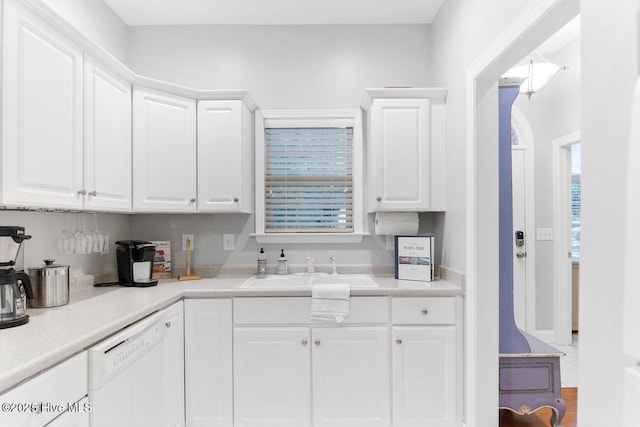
[(126, 383)]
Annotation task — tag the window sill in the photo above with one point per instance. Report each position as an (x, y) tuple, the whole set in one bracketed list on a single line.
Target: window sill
[(309, 237)]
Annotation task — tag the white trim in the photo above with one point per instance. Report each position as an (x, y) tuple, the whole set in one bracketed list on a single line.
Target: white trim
[(534, 24), (561, 160), (525, 135)]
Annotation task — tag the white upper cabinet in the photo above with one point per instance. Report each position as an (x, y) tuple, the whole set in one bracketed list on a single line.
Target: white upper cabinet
[(41, 113), (405, 149), (107, 139), (164, 152), (225, 165)]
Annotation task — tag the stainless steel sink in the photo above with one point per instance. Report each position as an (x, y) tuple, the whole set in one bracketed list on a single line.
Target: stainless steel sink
[(306, 280)]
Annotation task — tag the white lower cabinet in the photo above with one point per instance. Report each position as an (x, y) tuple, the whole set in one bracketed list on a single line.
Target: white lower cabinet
[(350, 375), (272, 377), (424, 376), (55, 393), (208, 363), (174, 412), (321, 377)]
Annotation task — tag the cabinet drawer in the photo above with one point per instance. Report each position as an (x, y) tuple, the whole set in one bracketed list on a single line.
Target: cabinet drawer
[(287, 310), (423, 311), (63, 384)]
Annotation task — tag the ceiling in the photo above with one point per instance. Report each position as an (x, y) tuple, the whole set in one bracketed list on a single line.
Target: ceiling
[(274, 12)]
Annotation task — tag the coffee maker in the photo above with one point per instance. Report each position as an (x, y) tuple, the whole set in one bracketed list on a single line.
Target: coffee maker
[(15, 286), (135, 263)]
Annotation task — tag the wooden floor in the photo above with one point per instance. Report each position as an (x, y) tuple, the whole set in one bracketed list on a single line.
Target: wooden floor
[(541, 417)]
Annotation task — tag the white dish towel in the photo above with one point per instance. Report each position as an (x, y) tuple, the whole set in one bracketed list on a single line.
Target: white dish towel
[(330, 302)]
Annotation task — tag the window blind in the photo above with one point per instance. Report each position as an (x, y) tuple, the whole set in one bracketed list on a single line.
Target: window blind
[(309, 179)]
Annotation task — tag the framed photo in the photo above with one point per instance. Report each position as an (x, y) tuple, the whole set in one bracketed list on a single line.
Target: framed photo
[(414, 258)]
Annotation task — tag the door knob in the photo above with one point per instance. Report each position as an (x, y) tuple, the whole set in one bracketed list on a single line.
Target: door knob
[(82, 192), (304, 342), (317, 342), (521, 254), (399, 341)]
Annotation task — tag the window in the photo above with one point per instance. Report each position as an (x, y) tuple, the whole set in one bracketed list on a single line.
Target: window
[(309, 176)]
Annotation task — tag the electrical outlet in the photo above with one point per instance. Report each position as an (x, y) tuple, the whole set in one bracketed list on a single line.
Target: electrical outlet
[(184, 241), (228, 242)]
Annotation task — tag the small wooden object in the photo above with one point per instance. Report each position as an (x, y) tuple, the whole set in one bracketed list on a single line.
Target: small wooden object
[(189, 276)]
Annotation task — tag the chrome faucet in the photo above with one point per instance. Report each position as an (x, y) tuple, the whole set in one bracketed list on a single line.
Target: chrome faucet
[(310, 267), (333, 263)]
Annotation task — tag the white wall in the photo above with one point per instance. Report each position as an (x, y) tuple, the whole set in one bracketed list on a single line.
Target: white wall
[(552, 113), (609, 71), (97, 21), (315, 66)]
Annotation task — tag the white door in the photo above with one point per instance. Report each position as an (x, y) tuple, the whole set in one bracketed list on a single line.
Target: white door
[(424, 376), (174, 366), (224, 156), (519, 245), (400, 154), (42, 113), (107, 140), (164, 152), (351, 377), (208, 363), (272, 377)]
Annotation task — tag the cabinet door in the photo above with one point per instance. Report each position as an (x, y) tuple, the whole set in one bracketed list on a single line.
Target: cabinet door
[(351, 377), (424, 376), (107, 139), (164, 152), (271, 377), (174, 366), (224, 157), (42, 114), (77, 417), (208, 363), (399, 155)]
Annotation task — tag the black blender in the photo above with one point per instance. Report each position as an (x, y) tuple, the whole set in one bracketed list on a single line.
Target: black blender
[(15, 286)]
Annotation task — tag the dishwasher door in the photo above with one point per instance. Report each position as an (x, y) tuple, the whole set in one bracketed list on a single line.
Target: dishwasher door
[(126, 376)]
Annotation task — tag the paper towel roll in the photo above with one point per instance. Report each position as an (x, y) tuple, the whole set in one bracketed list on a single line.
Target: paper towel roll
[(397, 223)]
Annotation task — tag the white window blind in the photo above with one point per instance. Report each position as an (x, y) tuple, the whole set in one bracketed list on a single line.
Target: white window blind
[(309, 179)]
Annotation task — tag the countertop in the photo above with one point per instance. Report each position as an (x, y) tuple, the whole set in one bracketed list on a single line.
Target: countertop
[(57, 333)]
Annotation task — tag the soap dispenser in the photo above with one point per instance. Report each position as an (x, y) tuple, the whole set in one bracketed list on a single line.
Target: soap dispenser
[(262, 262), (282, 263)]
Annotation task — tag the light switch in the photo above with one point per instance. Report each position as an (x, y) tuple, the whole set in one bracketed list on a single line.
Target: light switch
[(544, 234), (228, 242)]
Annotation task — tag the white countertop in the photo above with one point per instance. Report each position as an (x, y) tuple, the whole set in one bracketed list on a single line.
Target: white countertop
[(55, 334)]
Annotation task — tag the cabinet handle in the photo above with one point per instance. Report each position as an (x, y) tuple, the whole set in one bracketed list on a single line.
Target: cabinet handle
[(425, 311), (82, 192), (317, 342), (168, 324), (236, 200), (379, 198), (399, 341), (193, 200), (304, 342), (93, 193)]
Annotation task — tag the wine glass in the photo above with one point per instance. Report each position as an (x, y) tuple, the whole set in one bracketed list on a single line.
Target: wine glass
[(66, 238), (98, 237), (84, 238)]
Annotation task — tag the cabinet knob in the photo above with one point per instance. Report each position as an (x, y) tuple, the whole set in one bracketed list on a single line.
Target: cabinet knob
[(304, 342), (379, 198), (168, 324), (317, 342), (399, 341), (193, 200), (425, 311), (82, 192), (236, 200), (93, 193)]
